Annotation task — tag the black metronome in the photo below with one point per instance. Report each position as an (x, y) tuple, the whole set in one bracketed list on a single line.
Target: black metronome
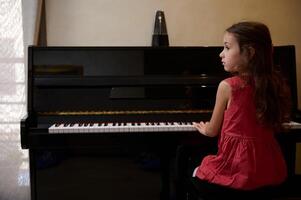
[(160, 37)]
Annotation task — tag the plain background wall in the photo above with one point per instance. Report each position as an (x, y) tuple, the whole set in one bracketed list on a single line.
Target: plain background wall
[(189, 23)]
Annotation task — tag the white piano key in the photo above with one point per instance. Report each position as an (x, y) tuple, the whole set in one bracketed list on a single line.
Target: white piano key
[(130, 127), (162, 127), (66, 128), (101, 128), (134, 127), (75, 128), (80, 128), (150, 127), (98, 127), (143, 127), (52, 129), (118, 127), (86, 128), (112, 128), (93, 128), (139, 127), (60, 128)]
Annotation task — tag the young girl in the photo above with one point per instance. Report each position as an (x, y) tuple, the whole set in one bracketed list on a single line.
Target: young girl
[(250, 107)]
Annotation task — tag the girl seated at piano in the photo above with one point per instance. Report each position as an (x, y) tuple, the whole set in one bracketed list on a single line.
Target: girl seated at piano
[(250, 108)]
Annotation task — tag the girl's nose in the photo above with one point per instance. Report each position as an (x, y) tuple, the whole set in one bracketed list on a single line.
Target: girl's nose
[(221, 54)]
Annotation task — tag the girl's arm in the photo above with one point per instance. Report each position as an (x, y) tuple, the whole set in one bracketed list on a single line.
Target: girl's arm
[(213, 127)]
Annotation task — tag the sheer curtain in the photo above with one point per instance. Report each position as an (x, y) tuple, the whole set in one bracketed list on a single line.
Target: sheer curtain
[(12, 82), (14, 170)]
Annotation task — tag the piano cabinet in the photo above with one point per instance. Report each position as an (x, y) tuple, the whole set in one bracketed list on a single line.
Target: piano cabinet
[(127, 167), (89, 85), (124, 166)]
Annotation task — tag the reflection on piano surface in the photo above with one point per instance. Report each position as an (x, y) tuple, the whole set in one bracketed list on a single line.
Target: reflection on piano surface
[(105, 122)]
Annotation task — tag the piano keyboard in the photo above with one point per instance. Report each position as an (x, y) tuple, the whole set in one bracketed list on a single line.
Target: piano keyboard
[(121, 127), (133, 127), (292, 125)]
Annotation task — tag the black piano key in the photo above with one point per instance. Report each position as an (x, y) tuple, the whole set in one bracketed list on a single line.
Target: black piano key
[(57, 125)]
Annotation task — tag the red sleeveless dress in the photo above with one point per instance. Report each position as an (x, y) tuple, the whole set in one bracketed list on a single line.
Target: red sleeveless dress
[(248, 155)]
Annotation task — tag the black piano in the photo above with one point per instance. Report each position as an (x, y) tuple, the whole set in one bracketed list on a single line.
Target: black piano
[(105, 122)]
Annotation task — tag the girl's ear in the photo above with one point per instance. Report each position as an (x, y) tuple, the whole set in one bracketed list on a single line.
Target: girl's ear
[(251, 51)]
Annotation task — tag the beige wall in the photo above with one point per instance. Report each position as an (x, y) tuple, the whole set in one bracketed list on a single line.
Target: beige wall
[(189, 22)]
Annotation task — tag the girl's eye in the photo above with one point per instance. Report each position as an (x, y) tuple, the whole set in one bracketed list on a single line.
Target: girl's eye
[(226, 47)]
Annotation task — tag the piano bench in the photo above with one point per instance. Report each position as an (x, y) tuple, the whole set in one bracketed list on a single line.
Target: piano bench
[(194, 192), (199, 190), (188, 188)]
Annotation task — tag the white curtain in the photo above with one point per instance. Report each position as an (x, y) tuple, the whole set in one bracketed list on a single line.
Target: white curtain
[(14, 171), (12, 81)]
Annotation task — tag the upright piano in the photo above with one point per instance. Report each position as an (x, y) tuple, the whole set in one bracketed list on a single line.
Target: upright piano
[(105, 122)]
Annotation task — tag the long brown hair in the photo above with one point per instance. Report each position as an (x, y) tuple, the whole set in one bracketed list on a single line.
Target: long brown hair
[(272, 94)]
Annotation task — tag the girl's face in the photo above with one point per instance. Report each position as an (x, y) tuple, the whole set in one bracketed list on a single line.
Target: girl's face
[(232, 59)]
